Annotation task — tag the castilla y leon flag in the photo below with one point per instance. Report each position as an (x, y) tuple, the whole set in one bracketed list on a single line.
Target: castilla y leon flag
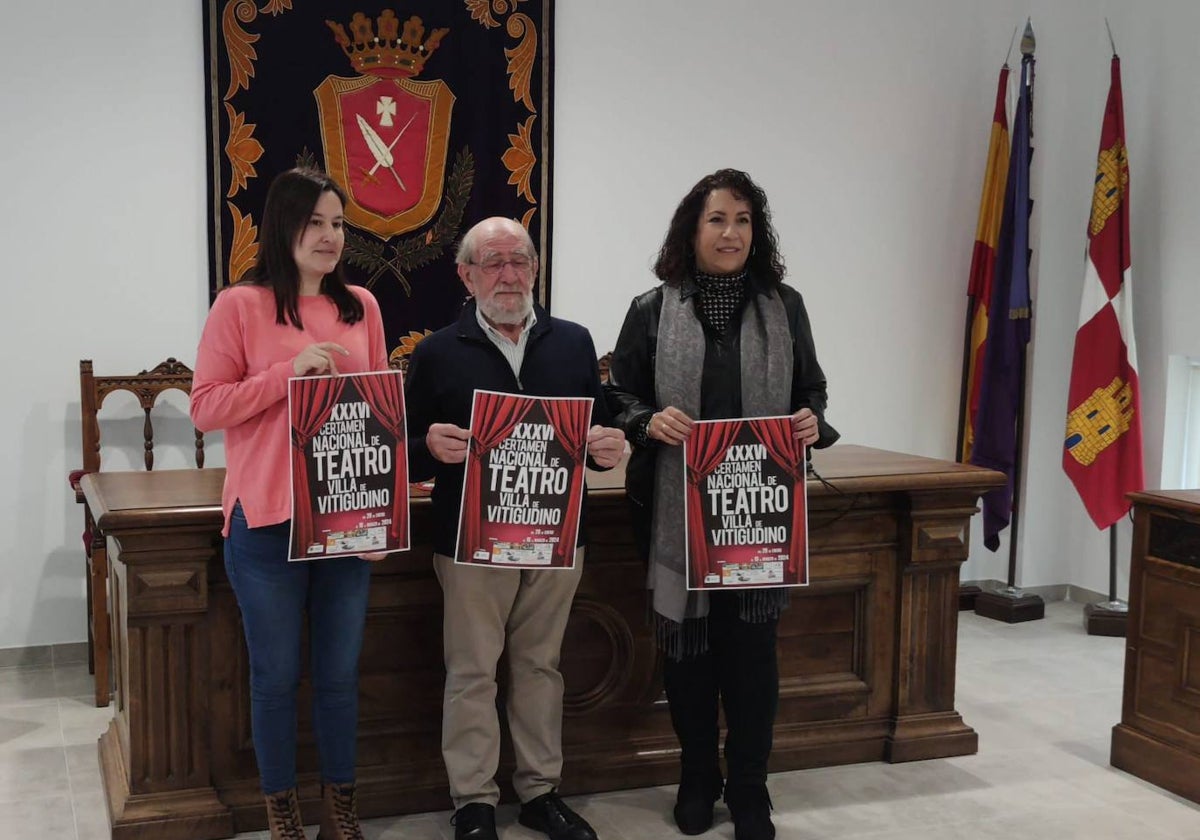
[(983, 263), (1103, 448)]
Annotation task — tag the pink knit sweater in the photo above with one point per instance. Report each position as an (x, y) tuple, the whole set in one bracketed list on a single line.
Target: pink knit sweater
[(242, 369)]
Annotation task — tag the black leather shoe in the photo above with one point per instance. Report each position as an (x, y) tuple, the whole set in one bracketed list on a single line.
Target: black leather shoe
[(750, 806), (551, 816), (694, 802), (476, 821)]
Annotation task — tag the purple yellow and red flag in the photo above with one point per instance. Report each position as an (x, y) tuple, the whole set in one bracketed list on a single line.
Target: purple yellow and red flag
[(1010, 308), (983, 261), (1102, 454)]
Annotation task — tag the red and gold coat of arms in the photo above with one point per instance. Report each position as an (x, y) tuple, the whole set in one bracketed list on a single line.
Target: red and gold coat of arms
[(386, 135)]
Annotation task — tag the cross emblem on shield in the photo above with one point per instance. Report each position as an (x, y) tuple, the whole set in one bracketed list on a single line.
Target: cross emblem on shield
[(385, 142)]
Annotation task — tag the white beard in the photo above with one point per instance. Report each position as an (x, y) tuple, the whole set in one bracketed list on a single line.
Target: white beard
[(498, 315)]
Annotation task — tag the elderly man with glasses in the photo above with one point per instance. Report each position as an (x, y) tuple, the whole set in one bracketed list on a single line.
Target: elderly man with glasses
[(505, 342)]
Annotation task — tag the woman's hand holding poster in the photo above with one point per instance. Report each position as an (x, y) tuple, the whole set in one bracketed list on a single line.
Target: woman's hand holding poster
[(745, 505), (349, 465), (523, 487)]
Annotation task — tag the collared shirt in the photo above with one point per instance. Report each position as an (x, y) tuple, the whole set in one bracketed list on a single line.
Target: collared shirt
[(514, 354)]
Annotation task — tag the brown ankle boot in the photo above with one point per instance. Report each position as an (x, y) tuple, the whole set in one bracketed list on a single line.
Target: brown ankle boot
[(339, 813), (283, 816)]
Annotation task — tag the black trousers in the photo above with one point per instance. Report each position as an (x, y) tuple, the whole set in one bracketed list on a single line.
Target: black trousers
[(739, 671)]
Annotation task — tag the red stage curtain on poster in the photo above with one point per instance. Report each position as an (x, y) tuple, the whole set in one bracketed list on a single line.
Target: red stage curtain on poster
[(708, 443), (570, 422), (316, 400), (777, 436), (385, 395), (501, 413)]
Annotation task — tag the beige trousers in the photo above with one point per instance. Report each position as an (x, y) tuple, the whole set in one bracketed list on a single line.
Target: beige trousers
[(484, 607)]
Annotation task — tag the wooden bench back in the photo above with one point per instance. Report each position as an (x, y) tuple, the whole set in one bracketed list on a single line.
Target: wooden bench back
[(147, 386)]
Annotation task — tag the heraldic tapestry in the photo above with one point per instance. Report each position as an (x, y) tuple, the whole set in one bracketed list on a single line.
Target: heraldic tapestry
[(430, 114)]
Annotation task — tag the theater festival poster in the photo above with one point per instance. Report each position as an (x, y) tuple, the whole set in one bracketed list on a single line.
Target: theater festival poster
[(349, 465), (745, 504), (523, 487)]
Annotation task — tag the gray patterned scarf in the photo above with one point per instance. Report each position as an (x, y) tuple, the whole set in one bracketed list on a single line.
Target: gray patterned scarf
[(766, 366)]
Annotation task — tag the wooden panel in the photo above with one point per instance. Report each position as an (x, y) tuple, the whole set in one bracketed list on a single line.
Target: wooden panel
[(866, 650), (171, 590), (1189, 657), (1175, 540), (1158, 738), (1179, 594)]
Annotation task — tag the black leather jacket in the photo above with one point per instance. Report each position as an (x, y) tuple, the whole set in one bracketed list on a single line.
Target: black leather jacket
[(631, 393)]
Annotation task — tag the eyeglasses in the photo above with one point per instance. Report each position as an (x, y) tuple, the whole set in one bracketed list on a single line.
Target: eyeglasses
[(494, 265)]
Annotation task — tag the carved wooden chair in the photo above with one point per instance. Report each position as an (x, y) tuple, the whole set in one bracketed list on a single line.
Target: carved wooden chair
[(147, 386)]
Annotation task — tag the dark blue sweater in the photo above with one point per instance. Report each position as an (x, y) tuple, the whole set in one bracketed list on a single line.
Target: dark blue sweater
[(447, 367)]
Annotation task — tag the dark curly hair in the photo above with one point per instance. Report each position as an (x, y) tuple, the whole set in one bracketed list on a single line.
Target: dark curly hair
[(677, 257)]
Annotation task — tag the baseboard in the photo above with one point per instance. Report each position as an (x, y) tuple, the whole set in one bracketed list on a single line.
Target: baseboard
[(1052, 592), (71, 653), (35, 655), (1084, 596)]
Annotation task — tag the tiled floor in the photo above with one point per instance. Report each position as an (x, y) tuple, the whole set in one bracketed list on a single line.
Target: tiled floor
[(1042, 695)]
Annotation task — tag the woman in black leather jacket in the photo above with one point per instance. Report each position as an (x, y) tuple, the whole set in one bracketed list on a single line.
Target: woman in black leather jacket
[(721, 338)]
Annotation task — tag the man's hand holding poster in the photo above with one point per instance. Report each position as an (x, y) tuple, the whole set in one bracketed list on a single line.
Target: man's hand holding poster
[(349, 465), (523, 487), (746, 505)]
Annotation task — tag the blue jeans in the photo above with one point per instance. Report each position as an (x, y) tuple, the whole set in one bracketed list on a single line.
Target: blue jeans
[(274, 596)]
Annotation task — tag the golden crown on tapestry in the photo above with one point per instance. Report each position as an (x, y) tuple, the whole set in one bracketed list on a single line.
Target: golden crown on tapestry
[(382, 49)]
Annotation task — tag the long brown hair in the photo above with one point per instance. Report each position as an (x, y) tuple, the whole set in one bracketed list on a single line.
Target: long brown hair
[(290, 202)]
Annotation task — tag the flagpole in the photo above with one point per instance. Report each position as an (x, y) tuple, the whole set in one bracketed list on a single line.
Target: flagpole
[(1111, 617), (1112, 563), (960, 454), (1018, 462), (1013, 604), (1013, 302), (967, 593)]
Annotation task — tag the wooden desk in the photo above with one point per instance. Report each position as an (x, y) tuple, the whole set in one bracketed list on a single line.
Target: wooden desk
[(867, 651), (1158, 737)]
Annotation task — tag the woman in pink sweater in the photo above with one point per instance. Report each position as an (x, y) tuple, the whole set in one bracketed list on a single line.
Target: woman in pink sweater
[(293, 316)]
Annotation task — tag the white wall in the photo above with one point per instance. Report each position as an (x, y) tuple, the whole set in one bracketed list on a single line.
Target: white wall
[(103, 229), (867, 124), (865, 121)]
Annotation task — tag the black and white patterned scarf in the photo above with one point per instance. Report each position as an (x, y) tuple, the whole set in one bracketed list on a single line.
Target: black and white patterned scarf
[(720, 298)]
